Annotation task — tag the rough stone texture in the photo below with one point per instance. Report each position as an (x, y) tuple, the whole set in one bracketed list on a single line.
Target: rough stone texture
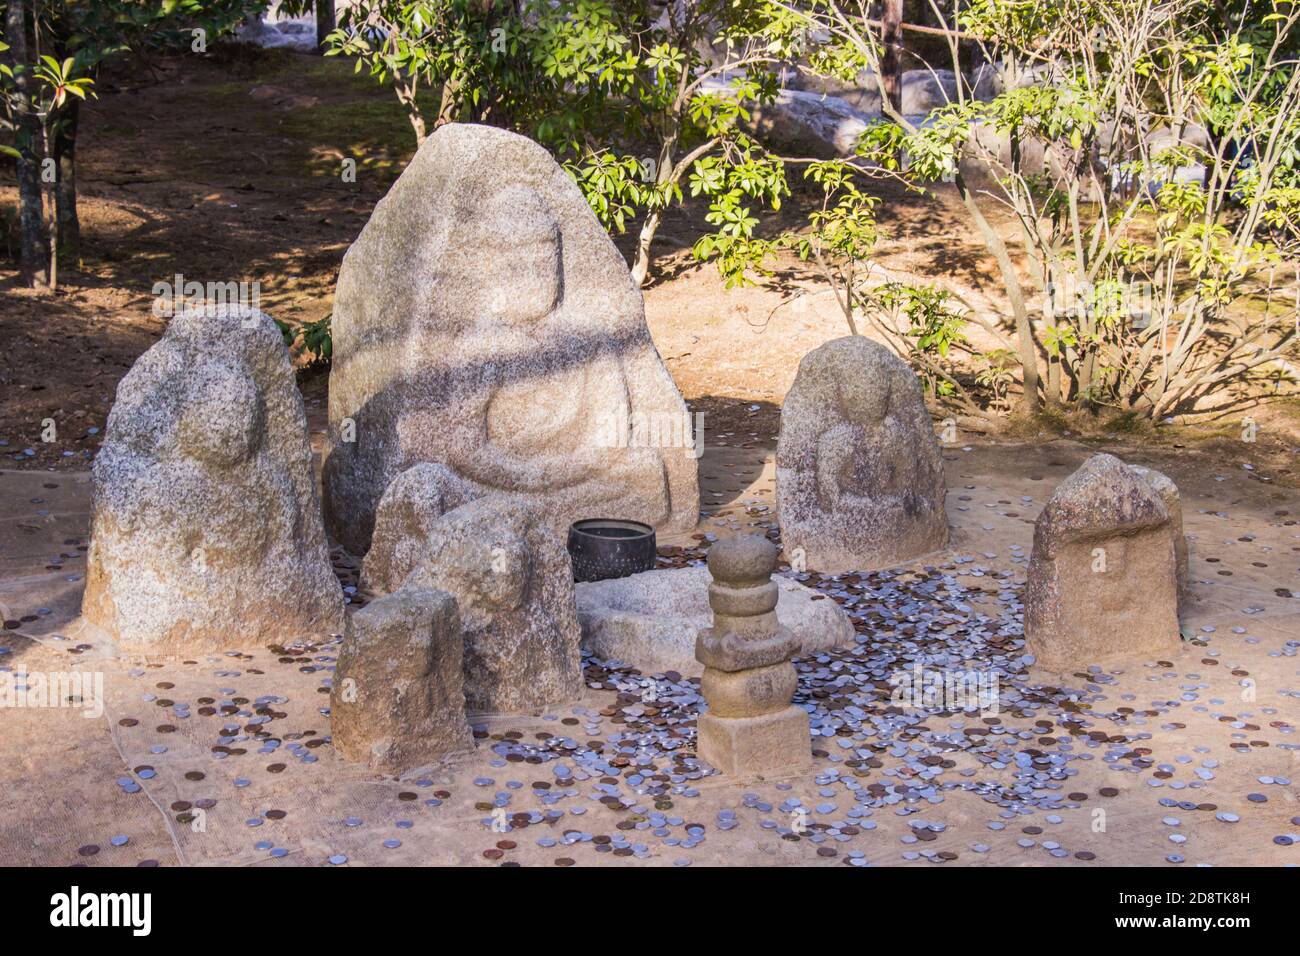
[(484, 321), (809, 124), (206, 531), (398, 700), (1168, 491), (513, 584), (750, 727), (825, 118), (859, 477), (651, 619), (1102, 575), (404, 520), (760, 745)]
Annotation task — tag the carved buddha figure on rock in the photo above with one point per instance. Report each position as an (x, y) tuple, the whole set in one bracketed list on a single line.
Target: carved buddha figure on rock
[(485, 323)]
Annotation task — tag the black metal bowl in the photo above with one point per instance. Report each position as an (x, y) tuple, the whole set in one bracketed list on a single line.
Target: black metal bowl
[(603, 548)]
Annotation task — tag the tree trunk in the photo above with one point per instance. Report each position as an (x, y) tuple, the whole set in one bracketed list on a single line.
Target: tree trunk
[(891, 61), (1015, 294), (65, 159), (324, 22), (641, 267), (51, 205), (33, 253)]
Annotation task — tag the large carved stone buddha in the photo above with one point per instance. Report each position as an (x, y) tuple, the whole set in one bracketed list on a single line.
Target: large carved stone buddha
[(484, 322)]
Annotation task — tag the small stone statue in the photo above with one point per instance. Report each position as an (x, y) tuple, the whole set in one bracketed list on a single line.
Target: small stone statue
[(751, 727), (859, 476)]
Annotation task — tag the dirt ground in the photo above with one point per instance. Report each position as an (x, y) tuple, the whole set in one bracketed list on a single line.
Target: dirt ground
[(1211, 727), (222, 172)]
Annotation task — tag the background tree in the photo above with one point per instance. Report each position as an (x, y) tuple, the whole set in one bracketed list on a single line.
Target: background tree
[(1153, 288), (20, 118), (640, 104), (80, 37)]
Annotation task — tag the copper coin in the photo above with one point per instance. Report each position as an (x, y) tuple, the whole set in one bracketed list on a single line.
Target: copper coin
[(275, 768)]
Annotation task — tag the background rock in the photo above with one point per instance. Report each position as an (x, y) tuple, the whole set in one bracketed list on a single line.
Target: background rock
[(651, 619)]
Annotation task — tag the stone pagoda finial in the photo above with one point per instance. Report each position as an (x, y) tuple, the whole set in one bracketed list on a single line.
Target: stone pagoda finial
[(751, 727)]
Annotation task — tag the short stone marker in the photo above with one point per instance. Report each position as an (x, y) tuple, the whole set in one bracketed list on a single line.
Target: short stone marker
[(397, 700), (1168, 491), (1102, 573), (751, 726)]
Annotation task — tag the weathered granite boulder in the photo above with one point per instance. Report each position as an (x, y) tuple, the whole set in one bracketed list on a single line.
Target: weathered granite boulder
[(825, 118), (859, 477), (809, 124), (1102, 577), (922, 91), (205, 529), (484, 321), (404, 522), (397, 701), (651, 619), (513, 583), (1168, 491)]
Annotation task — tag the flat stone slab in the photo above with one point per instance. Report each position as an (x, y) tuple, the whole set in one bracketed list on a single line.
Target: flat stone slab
[(651, 619)]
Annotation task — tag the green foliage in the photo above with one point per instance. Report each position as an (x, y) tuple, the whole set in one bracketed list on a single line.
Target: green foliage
[(625, 99), (316, 341), (1164, 138)]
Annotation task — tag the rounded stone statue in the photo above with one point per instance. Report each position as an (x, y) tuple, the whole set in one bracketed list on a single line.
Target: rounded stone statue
[(859, 477), (205, 530), (483, 321)]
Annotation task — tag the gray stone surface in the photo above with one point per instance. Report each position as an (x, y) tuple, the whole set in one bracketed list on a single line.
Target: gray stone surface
[(206, 529), (397, 701), (404, 522), (483, 320), (651, 619), (859, 477), (513, 585), (1102, 578), (1168, 491)]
